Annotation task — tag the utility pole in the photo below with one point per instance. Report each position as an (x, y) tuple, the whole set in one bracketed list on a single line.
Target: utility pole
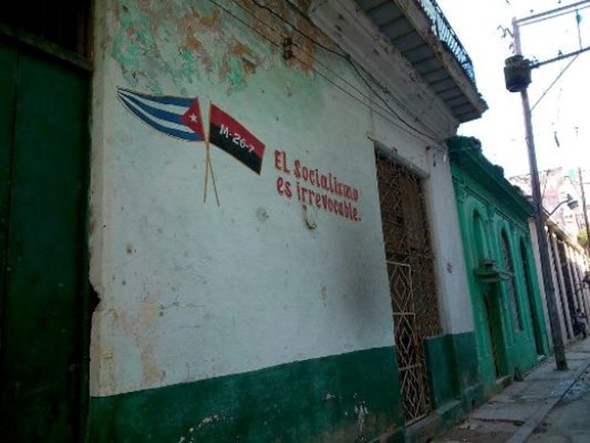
[(520, 69)]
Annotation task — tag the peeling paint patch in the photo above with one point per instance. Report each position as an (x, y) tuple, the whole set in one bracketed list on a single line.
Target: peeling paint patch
[(146, 43), (329, 396), (190, 41), (208, 420), (248, 57), (151, 373), (190, 437), (211, 22), (362, 412)]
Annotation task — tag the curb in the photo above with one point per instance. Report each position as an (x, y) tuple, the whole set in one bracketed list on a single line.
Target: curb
[(525, 431)]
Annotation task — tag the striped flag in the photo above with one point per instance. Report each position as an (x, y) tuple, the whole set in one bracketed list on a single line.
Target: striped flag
[(228, 134), (174, 116)]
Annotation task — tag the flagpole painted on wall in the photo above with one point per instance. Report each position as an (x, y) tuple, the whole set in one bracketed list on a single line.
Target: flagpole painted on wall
[(209, 167), (212, 174), (207, 159)]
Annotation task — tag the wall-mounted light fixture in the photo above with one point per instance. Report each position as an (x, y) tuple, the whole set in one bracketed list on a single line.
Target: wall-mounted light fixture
[(571, 202)]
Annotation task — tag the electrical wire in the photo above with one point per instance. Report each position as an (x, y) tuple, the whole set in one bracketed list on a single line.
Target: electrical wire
[(344, 56), (385, 107), (387, 104), (578, 21), (294, 27), (304, 63), (565, 68), (356, 68), (541, 17)]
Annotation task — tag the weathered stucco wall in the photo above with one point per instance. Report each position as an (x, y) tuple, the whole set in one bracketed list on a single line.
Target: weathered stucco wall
[(448, 249), (191, 290)]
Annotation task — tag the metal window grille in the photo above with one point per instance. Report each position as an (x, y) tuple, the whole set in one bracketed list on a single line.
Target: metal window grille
[(410, 263)]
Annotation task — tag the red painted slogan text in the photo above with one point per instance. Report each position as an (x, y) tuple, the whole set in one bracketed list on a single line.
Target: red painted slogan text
[(316, 188)]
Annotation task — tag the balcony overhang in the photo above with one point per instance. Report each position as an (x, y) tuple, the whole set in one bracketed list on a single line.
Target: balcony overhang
[(419, 30)]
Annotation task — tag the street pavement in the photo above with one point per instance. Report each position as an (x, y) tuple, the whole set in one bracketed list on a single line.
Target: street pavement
[(569, 421), (548, 406)]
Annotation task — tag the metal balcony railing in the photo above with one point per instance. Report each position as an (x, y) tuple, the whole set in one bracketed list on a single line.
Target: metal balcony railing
[(442, 29)]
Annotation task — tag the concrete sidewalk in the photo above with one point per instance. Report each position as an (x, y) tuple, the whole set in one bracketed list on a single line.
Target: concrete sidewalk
[(512, 415)]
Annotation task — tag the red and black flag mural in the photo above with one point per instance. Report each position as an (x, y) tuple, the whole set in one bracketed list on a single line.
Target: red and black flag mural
[(229, 135)]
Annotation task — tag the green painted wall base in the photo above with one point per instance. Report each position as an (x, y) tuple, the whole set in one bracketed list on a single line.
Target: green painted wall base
[(451, 412), (454, 382), (442, 369), (453, 369), (473, 397), (349, 397), (439, 421), (317, 400), (395, 436)]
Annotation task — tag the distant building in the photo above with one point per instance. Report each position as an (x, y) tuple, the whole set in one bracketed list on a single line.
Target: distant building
[(556, 185), (569, 270), (569, 261)]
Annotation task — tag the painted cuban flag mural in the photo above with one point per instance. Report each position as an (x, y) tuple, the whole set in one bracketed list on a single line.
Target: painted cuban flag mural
[(181, 118), (174, 116)]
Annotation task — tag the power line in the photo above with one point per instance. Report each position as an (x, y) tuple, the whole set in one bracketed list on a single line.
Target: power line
[(542, 16), (339, 54), (346, 57), (295, 28), (559, 57), (566, 67), (385, 107)]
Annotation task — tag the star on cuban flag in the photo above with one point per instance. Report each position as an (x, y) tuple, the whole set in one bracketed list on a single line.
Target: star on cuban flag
[(174, 116)]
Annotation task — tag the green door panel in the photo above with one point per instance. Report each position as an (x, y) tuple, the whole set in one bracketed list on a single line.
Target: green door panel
[(43, 317), (8, 67)]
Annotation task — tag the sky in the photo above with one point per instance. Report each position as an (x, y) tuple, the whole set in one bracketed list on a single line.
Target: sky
[(561, 119)]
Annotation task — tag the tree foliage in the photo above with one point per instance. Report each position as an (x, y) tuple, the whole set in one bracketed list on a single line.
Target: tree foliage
[(583, 238)]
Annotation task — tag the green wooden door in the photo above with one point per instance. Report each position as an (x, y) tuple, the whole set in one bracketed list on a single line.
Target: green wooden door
[(43, 201)]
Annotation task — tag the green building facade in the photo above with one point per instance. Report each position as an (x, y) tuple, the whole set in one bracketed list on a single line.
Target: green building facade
[(507, 308)]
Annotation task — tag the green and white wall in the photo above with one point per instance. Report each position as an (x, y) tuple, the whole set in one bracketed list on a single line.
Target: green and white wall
[(265, 317)]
